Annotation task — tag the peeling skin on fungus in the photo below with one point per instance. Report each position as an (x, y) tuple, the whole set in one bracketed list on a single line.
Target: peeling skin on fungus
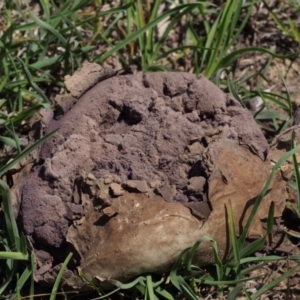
[(151, 127)]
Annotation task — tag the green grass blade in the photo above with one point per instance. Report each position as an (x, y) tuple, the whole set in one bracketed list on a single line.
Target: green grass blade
[(252, 247), (21, 282), (149, 38), (150, 287), (227, 60), (46, 8), (59, 276), (139, 21), (4, 81), (278, 22), (218, 261), (234, 242), (264, 259), (11, 225), (241, 27), (8, 141), (209, 45), (288, 97), (263, 192), (116, 9), (227, 282), (224, 34), (181, 48), (5, 284), (269, 114), (108, 294), (31, 290), (133, 36), (186, 290), (13, 255), (46, 62), (293, 234), (297, 173), (271, 285), (224, 21), (125, 286), (164, 293), (32, 83), (253, 267), (233, 90), (191, 252), (71, 26), (158, 283), (166, 33), (233, 294), (248, 297), (270, 221), (175, 268), (294, 29), (28, 150), (48, 27), (233, 18), (275, 98), (15, 137), (130, 17), (295, 257), (21, 82), (26, 114)]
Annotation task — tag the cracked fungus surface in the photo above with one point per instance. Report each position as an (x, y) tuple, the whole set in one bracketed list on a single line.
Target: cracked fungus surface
[(156, 137)]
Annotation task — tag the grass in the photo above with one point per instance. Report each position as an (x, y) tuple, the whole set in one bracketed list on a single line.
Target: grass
[(37, 49)]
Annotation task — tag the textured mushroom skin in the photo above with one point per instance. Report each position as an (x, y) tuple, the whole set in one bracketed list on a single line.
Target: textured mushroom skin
[(180, 139)]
